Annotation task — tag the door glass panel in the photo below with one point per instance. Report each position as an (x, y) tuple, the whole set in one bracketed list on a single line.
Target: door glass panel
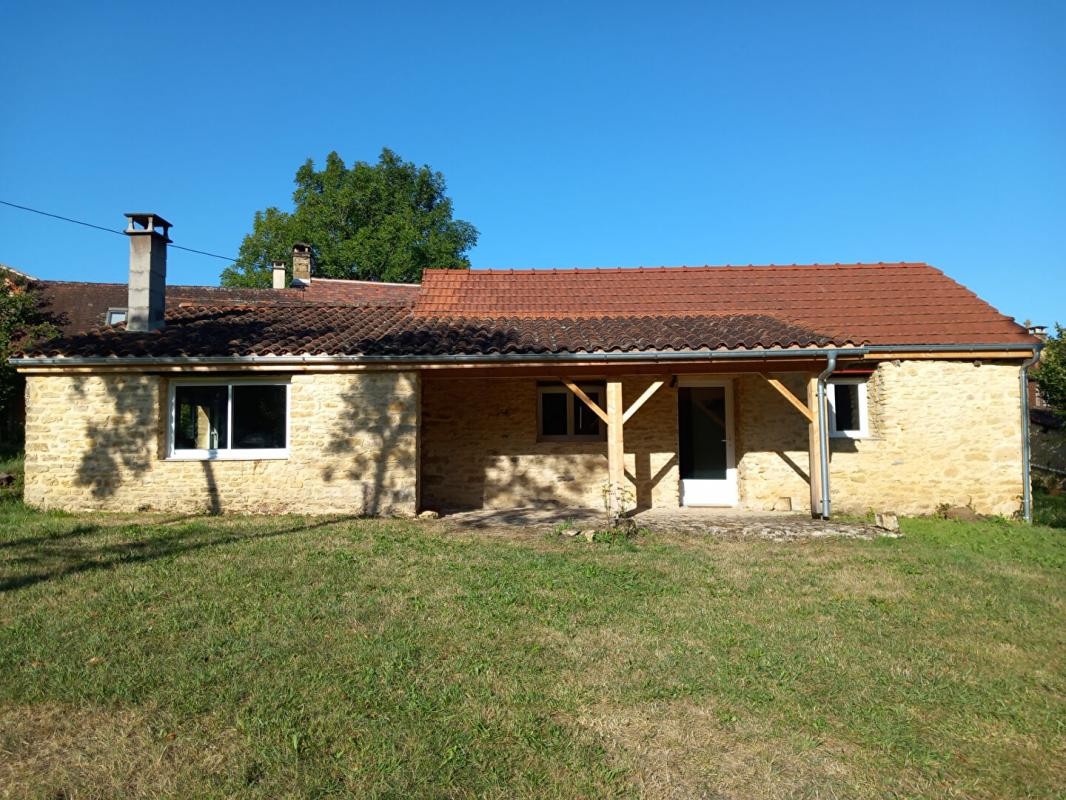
[(702, 429)]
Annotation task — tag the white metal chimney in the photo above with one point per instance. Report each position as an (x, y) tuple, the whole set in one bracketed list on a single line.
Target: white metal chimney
[(149, 236), (278, 271)]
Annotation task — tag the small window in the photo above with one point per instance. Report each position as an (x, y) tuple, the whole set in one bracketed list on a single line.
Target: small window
[(248, 419), (116, 315), (848, 417), (565, 417)]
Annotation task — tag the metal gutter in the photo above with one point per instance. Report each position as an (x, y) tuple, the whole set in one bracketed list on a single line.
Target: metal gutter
[(653, 356), (975, 347), (1027, 488), (823, 432)]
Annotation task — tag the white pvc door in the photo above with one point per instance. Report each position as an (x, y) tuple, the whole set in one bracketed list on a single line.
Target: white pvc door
[(705, 444)]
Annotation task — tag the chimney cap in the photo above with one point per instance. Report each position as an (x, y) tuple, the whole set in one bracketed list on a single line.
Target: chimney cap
[(141, 222)]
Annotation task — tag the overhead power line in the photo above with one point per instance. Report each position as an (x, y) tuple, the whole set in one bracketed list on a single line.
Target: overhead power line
[(107, 230)]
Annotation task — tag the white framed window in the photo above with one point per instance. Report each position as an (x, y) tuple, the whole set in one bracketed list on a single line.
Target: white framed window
[(212, 419), (848, 415), (564, 417), (115, 316)]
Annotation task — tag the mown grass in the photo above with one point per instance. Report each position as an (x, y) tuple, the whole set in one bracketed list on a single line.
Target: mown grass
[(278, 657)]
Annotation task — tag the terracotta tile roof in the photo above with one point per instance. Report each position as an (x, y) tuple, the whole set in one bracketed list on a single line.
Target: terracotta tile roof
[(904, 303), (348, 330), (557, 311), (328, 290), (81, 306)]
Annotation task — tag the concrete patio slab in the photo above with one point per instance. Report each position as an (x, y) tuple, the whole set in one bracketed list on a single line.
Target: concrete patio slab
[(725, 523)]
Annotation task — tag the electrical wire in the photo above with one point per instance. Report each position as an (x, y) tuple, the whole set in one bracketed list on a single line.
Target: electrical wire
[(108, 230)]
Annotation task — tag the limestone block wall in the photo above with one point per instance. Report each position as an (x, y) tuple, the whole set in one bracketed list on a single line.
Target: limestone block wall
[(99, 442), (480, 448), (771, 445), (940, 432)]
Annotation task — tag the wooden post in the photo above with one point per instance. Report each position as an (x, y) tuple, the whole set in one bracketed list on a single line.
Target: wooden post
[(814, 447), (615, 448)]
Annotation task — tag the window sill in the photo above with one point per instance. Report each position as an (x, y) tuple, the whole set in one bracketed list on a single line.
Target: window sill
[(228, 455), (572, 439), (847, 436)]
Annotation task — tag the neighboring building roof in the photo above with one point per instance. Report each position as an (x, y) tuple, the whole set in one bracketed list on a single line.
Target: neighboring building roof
[(887, 304), (15, 272), (81, 306), (341, 330)]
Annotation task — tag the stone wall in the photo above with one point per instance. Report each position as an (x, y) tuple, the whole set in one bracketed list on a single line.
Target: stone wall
[(99, 442), (480, 448), (940, 432), (771, 444)]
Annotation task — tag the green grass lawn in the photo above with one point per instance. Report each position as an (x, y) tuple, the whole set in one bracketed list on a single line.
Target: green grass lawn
[(280, 657)]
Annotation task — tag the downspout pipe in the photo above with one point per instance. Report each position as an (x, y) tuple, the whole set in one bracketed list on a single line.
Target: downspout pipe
[(823, 432), (1023, 382)]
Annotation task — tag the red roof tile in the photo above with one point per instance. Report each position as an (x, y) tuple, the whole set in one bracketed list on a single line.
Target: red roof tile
[(81, 306), (350, 330), (889, 304), (329, 290), (557, 311)]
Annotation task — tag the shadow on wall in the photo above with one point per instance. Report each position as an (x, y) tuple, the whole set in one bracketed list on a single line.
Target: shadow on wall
[(125, 443), (121, 445), (377, 437), (644, 481)]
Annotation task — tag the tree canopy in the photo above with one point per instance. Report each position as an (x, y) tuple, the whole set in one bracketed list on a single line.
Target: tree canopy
[(22, 321), (1050, 374), (382, 222)]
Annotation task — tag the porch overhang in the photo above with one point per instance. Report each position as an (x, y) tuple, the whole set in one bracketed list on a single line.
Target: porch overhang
[(651, 361)]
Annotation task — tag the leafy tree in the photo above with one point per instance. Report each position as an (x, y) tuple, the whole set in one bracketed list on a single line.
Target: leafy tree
[(22, 322), (382, 222), (1050, 374)]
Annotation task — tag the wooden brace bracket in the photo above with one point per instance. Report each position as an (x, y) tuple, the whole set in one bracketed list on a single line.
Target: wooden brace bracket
[(584, 398), (796, 403)]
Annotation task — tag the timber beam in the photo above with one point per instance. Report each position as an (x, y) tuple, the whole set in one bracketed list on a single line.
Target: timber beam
[(584, 398), (795, 402)]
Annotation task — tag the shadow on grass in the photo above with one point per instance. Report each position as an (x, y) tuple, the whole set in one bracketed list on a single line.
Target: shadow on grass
[(52, 557), (85, 530)]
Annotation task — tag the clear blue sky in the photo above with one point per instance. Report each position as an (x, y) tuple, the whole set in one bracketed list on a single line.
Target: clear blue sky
[(570, 134)]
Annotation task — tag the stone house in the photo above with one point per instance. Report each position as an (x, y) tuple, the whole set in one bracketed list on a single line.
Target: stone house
[(842, 387)]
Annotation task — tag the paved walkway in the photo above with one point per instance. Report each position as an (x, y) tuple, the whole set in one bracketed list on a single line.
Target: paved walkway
[(726, 523)]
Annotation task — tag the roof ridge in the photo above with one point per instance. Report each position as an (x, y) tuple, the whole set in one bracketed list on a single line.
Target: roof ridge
[(371, 283), (674, 268)]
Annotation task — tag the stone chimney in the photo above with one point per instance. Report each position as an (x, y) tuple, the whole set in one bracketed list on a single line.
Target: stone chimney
[(279, 274), (149, 236), (302, 262)]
